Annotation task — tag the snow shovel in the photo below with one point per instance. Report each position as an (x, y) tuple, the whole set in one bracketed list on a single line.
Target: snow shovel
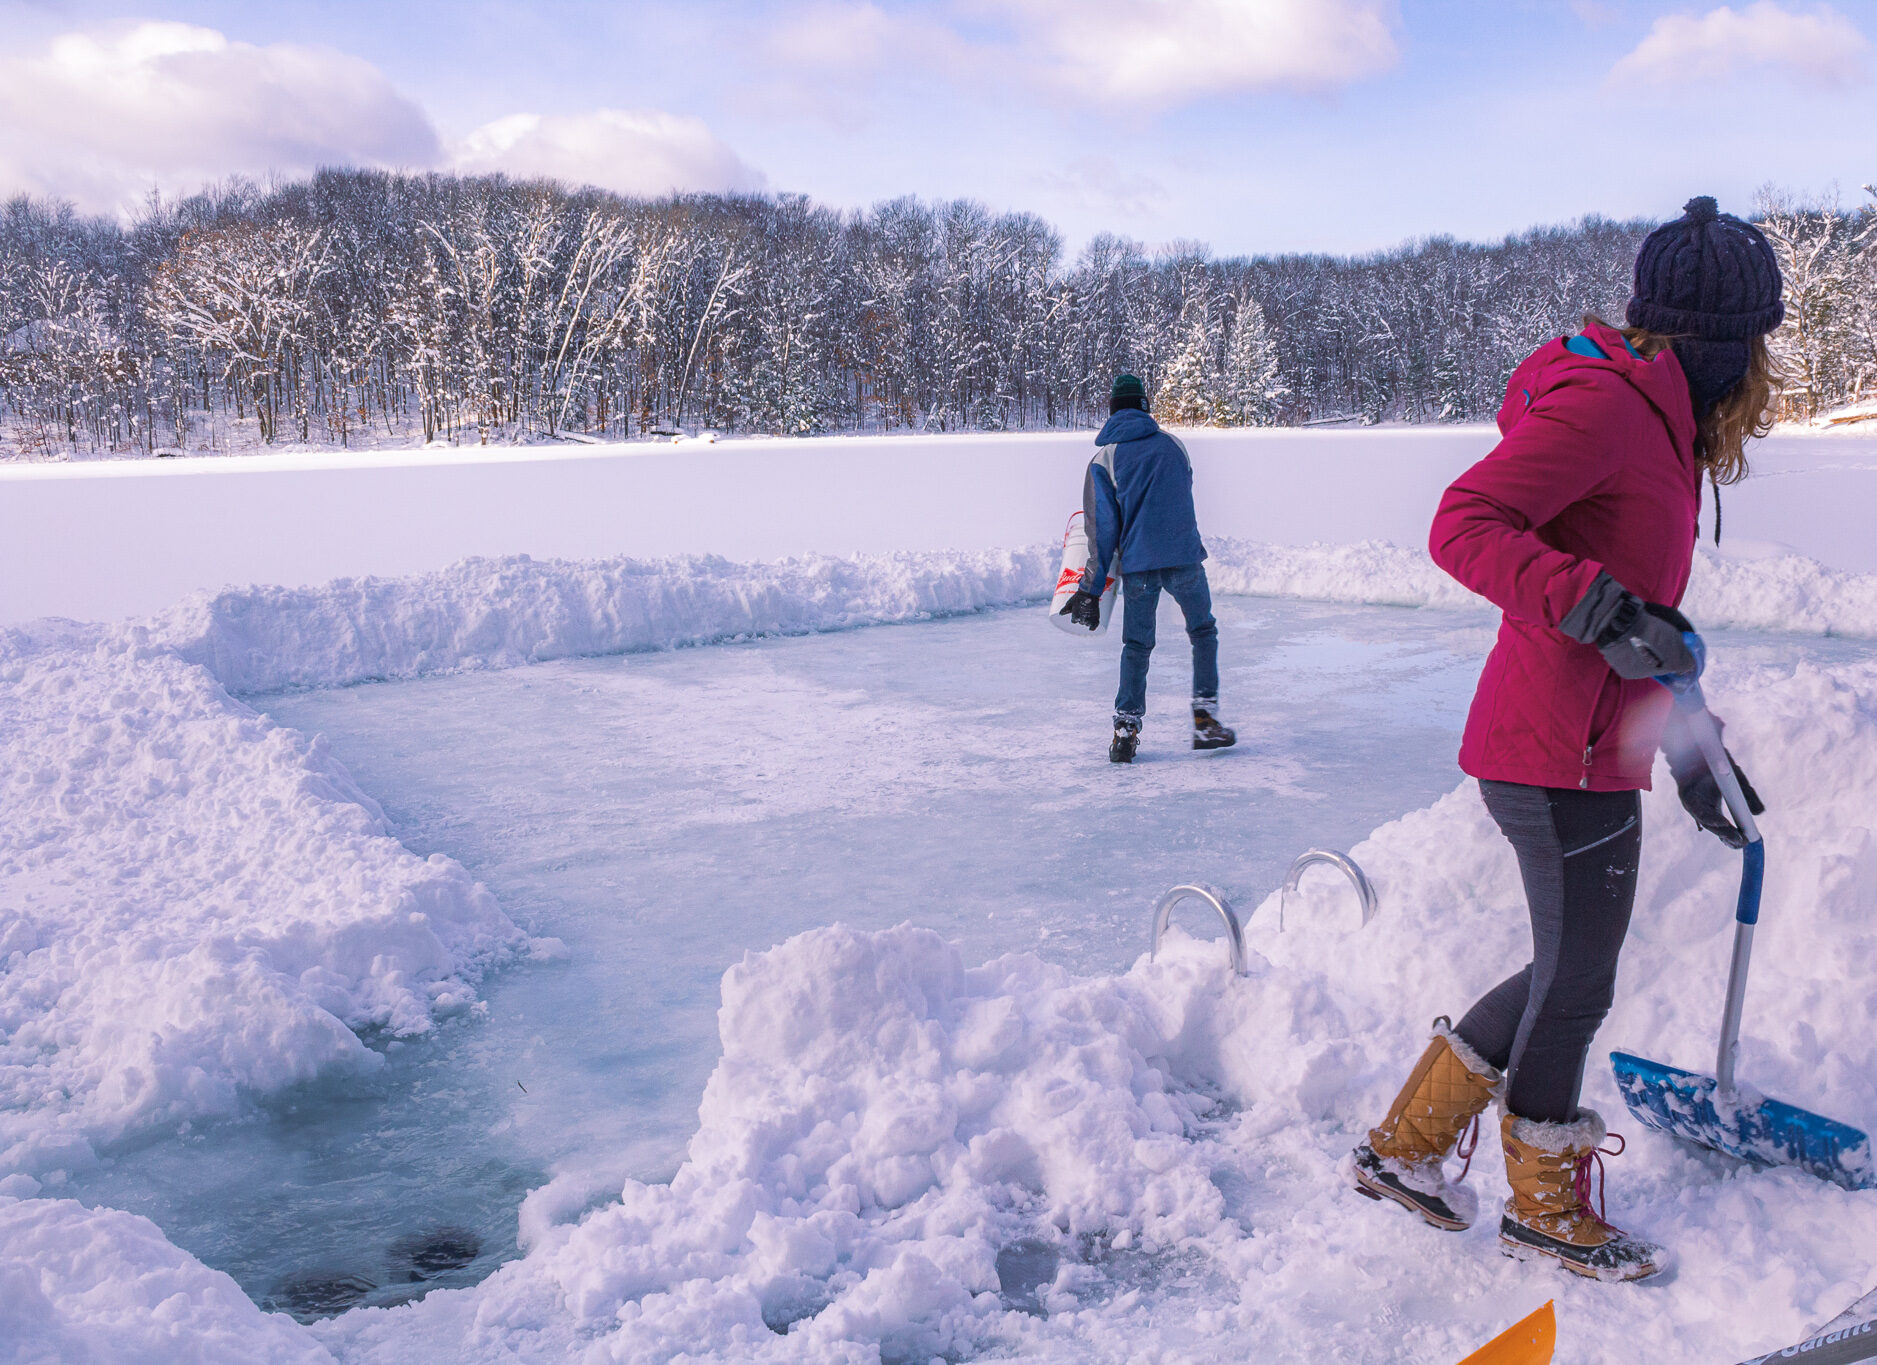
[(1710, 1110), (1531, 1341)]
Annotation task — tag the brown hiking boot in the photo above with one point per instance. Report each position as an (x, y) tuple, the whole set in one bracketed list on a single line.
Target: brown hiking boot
[(1127, 739), (1549, 1214), (1446, 1093), (1208, 733)]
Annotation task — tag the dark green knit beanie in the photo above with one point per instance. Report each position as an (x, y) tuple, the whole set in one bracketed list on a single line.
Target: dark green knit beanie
[(1128, 386)]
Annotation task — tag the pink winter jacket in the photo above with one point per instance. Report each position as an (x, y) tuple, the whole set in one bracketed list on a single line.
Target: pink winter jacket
[(1595, 470)]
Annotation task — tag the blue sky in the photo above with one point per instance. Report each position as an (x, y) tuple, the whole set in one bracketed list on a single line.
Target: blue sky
[(1251, 125)]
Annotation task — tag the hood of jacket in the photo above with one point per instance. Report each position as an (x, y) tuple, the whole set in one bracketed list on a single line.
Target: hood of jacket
[(1554, 365), (1129, 424)]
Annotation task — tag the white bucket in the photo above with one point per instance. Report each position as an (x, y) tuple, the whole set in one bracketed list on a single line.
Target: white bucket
[(1074, 558)]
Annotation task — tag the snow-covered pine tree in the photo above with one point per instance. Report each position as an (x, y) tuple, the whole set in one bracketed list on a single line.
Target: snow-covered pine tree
[(1188, 393), (1251, 388)]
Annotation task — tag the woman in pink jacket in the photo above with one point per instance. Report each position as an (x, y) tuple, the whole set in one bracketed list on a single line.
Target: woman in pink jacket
[(1581, 526)]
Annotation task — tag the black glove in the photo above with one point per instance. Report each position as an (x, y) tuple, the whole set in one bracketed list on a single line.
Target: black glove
[(1700, 793), (1084, 608), (1637, 639)]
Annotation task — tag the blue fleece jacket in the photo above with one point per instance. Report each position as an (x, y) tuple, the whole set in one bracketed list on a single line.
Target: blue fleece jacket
[(1138, 497)]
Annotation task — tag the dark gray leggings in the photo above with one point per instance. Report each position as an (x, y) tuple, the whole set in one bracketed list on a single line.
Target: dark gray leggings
[(1577, 853)]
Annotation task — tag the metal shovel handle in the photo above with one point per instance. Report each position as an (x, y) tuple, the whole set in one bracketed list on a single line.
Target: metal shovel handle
[(1687, 692), (1708, 737)]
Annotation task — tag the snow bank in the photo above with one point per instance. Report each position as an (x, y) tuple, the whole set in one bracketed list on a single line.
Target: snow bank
[(195, 902), (900, 1154), (500, 613), (1370, 572), (883, 1123), (79, 1284), (1781, 592), (496, 613)]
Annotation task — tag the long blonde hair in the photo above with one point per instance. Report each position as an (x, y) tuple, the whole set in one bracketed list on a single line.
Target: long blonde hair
[(1745, 412)]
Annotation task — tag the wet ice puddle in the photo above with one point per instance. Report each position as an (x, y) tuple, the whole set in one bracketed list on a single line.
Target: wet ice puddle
[(661, 814)]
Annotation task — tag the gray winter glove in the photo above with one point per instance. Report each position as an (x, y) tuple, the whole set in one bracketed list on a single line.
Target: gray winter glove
[(1084, 608), (1700, 793), (1637, 639)]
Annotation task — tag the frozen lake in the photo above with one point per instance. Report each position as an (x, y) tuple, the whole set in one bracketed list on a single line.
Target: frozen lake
[(663, 813)]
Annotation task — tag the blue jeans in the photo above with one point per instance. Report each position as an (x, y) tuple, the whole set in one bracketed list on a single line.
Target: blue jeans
[(1140, 592)]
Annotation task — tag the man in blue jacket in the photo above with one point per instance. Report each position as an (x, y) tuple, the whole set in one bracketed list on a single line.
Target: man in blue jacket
[(1139, 498)]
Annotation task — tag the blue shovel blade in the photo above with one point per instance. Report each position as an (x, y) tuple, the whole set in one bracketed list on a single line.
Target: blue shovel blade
[(1751, 1127)]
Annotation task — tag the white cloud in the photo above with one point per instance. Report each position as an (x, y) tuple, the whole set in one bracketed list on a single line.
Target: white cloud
[(1819, 48), (1124, 54), (1168, 52), (1097, 184), (100, 117), (631, 151)]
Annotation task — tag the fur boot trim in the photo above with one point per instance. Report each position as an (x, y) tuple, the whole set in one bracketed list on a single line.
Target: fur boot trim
[(1579, 1135), (1473, 1062)]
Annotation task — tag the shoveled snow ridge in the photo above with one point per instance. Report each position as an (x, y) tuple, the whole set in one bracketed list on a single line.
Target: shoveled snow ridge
[(500, 613), (496, 613), (1786, 592)]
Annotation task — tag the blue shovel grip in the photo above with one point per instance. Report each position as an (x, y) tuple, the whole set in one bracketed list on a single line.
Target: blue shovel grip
[(1686, 687), (1752, 874)]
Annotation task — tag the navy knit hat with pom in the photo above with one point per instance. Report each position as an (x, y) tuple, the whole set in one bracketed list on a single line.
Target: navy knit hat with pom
[(1706, 275), (1710, 281)]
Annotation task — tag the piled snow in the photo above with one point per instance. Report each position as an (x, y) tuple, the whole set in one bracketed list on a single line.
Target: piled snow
[(80, 1284), (203, 903), (496, 613), (884, 1121), (1779, 592), (1371, 571), (500, 613), (195, 902)]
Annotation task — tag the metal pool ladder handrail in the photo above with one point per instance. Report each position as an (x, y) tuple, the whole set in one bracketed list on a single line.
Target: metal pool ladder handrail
[(1331, 858), (1234, 932)]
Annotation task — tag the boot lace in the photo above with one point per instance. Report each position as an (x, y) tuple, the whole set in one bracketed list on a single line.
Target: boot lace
[(1580, 1180), (1467, 1145)]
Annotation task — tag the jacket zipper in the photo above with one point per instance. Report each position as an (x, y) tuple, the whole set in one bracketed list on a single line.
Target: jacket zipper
[(1590, 747)]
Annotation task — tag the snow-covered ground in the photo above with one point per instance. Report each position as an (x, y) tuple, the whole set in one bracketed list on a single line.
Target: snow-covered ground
[(213, 939), (129, 538)]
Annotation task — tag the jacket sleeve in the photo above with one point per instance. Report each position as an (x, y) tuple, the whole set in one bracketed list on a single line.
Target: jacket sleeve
[(1484, 531), (1101, 509)]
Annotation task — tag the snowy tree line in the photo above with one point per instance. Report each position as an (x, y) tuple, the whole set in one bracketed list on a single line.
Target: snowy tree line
[(365, 307)]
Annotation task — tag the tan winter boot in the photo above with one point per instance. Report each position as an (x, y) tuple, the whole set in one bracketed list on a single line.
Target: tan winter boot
[(1446, 1093), (1549, 1214)]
